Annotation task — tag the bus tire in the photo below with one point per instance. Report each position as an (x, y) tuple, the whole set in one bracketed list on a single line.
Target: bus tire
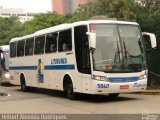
[(23, 83), (1, 81), (113, 95), (1, 84), (68, 89)]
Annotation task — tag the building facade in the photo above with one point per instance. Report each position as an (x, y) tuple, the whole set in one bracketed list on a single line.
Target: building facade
[(66, 6), (61, 7), (23, 17), (10, 10)]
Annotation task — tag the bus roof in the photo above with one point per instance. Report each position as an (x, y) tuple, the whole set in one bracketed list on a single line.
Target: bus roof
[(104, 21), (70, 25)]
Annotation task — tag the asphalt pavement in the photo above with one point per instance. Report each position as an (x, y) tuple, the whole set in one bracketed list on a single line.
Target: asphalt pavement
[(42, 101)]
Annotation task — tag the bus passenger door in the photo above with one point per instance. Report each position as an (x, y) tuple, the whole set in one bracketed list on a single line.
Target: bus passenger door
[(85, 68), (83, 57)]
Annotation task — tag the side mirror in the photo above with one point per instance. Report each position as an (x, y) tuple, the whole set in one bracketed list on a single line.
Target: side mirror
[(152, 38), (92, 40)]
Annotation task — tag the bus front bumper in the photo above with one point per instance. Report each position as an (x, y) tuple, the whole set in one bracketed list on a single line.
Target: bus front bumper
[(103, 87)]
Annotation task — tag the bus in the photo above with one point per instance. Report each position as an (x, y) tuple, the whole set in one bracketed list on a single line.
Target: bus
[(4, 64), (92, 57)]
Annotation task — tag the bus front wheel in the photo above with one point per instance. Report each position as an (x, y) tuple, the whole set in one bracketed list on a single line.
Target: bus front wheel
[(113, 95), (68, 88)]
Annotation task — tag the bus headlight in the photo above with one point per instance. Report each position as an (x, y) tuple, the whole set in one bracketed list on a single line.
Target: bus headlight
[(100, 78), (7, 75), (143, 77)]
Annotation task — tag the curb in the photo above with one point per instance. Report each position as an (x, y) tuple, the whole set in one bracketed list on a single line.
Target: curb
[(149, 92)]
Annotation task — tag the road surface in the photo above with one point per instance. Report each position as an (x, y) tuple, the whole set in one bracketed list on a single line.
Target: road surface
[(55, 102)]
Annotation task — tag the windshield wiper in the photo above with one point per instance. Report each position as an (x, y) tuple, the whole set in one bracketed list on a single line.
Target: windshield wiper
[(117, 54), (125, 50), (126, 53), (134, 56), (133, 65)]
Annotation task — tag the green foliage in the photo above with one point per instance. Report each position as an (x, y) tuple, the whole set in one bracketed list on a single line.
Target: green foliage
[(42, 21), (120, 9), (9, 28)]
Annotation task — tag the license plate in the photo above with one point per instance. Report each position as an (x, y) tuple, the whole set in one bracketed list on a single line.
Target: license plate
[(122, 87)]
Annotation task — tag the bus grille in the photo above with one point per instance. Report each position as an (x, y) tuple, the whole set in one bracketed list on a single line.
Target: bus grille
[(123, 79)]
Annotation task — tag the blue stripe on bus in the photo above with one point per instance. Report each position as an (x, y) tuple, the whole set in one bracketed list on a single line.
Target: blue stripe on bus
[(47, 67), (123, 79), (23, 68), (59, 67)]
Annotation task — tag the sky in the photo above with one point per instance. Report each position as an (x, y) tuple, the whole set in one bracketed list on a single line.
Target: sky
[(33, 6)]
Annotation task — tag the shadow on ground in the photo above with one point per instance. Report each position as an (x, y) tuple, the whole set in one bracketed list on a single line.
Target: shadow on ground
[(80, 97)]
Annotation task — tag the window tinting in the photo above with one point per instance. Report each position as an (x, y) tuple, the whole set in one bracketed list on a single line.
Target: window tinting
[(65, 41), (20, 48), (13, 50), (29, 46), (39, 45), (51, 43)]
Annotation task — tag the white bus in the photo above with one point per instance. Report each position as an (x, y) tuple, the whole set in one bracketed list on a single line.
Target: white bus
[(93, 57)]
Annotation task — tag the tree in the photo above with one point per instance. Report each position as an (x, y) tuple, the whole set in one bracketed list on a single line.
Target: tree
[(9, 28), (42, 21)]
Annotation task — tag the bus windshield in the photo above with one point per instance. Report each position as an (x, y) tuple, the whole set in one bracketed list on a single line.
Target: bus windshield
[(119, 48)]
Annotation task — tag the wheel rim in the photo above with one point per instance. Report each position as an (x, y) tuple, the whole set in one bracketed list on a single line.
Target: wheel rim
[(70, 89), (23, 86)]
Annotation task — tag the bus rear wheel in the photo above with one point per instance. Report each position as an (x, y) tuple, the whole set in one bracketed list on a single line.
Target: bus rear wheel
[(23, 84), (68, 88)]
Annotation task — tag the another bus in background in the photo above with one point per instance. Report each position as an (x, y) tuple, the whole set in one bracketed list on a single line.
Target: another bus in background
[(4, 64)]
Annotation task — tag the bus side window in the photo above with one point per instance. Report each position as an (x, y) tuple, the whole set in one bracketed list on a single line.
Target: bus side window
[(65, 41), (20, 48), (13, 47), (51, 43), (65, 47), (39, 45), (29, 46)]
